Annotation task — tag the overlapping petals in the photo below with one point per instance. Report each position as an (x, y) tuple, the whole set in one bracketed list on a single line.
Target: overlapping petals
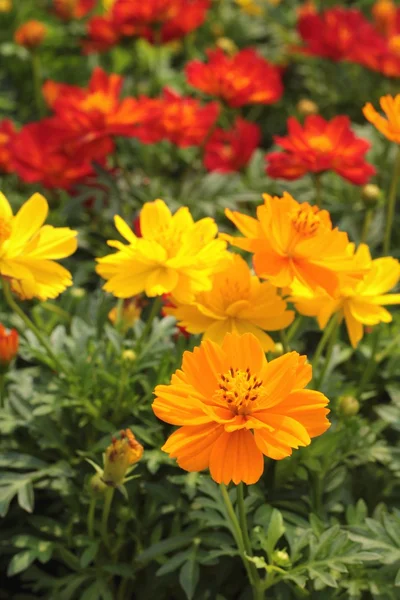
[(389, 126), (231, 150)]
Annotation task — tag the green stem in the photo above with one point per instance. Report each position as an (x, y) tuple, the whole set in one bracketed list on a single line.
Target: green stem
[(122, 589), (366, 225), (30, 325), (371, 364), (391, 204), (257, 588), (329, 350), (322, 343), (37, 83), (284, 341), (90, 517), (291, 332), (2, 388), (155, 309), (108, 498), (318, 189)]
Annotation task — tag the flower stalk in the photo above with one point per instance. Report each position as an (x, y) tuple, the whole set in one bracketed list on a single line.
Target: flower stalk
[(391, 204), (108, 498)]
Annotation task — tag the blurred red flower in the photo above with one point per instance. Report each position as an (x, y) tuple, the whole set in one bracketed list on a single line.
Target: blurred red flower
[(9, 343), (30, 34), (102, 34), (73, 9), (7, 133), (319, 146), (230, 150), (245, 78)]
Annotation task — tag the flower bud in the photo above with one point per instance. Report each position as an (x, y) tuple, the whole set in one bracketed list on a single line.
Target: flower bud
[(129, 355), (97, 484), (227, 45), (119, 456), (384, 14), (30, 35), (281, 558), (5, 6), (307, 107), (129, 314), (348, 406), (78, 292), (371, 194), (9, 342), (278, 350)]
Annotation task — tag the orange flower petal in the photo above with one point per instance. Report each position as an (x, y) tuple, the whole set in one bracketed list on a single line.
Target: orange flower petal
[(192, 445), (176, 405), (235, 457)]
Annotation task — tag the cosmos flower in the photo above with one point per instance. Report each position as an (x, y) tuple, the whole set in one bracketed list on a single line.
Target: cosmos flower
[(28, 250), (319, 146), (245, 78), (237, 303), (120, 456), (360, 304), (73, 9), (233, 407), (389, 126), (30, 34), (9, 343), (292, 240), (7, 134), (231, 150), (174, 255)]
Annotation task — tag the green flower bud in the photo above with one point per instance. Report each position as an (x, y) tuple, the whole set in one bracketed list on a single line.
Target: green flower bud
[(348, 406)]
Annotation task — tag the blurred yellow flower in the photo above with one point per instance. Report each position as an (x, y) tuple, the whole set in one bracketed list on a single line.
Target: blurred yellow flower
[(358, 303), (28, 250), (174, 256), (130, 313), (6, 5), (237, 303), (119, 456)]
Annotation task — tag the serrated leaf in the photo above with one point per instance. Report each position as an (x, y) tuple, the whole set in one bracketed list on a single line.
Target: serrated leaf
[(276, 529), (189, 577)]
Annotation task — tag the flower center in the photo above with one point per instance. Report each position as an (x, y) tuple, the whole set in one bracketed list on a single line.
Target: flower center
[(5, 229), (321, 143), (240, 390), (97, 101), (306, 220), (394, 44)]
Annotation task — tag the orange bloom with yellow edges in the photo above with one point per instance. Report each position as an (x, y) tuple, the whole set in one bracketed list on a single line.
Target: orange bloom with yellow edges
[(294, 241), (30, 34), (360, 304), (174, 255), (237, 303), (390, 127), (233, 407)]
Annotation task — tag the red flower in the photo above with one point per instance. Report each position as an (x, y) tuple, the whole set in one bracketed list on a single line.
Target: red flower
[(339, 34), (9, 342), (102, 34), (86, 115), (386, 57), (73, 9), (318, 146), (230, 150), (183, 121), (245, 78), (7, 133), (38, 155), (30, 34)]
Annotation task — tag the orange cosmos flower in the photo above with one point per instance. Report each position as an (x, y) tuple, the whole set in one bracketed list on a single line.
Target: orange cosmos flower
[(237, 303), (233, 407), (7, 134), (390, 127), (231, 150), (360, 304), (384, 14), (292, 240), (30, 35), (319, 146), (9, 342), (73, 9), (245, 78)]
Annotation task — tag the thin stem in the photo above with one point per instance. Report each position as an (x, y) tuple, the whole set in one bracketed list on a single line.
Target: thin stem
[(366, 225), (329, 350), (391, 204), (371, 364), (291, 332), (257, 591), (37, 83), (284, 341), (2, 388), (322, 343), (90, 517), (30, 325), (108, 497), (318, 189), (153, 312)]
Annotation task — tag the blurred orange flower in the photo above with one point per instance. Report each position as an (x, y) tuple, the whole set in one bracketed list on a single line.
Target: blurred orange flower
[(292, 240), (233, 407), (7, 134), (390, 127), (30, 34), (245, 78), (9, 342), (73, 9)]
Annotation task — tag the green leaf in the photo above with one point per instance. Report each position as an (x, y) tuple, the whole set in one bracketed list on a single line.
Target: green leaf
[(189, 577), (165, 546), (173, 563), (26, 497), (20, 562), (89, 554), (276, 529)]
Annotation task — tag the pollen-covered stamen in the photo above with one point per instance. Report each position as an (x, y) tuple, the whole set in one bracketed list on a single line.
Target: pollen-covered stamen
[(240, 390), (306, 220)]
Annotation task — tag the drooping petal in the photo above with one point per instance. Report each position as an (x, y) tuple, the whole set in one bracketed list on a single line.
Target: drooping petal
[(235, 457)]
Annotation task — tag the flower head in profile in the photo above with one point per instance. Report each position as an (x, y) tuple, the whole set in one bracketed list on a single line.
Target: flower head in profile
[(7, 134), (30, 34), (389, 126), (237, 303), (291, 241), (9, 343), (231, 150), (73, 9), (174, 255), (28, 250), (319, 146), (360, 304), (130, 313), (123, 453), (245, 78), (233, 407)]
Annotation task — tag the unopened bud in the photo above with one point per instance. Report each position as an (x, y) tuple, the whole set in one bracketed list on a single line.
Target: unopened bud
[(9, 343), (119, 456), (5, 5), (129, 355), (371, 194), (30, 34), (278, 350), (307, 107), (281, 558), (97, 484), (78, 292), (348, 406)]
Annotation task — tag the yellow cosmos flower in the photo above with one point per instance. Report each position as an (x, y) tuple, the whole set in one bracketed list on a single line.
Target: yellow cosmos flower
[(237, 303), (174, 256), (28, 250), (360, 304)]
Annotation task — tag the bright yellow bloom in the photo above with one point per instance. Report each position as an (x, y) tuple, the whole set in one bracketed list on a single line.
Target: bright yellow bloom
[(360, 304), (390, 127), (237, 303), (119, 456), (28, 250), (174, 256)]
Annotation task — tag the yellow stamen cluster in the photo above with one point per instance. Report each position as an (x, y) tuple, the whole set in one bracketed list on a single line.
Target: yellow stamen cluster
[(306, 220), (239, 389)]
